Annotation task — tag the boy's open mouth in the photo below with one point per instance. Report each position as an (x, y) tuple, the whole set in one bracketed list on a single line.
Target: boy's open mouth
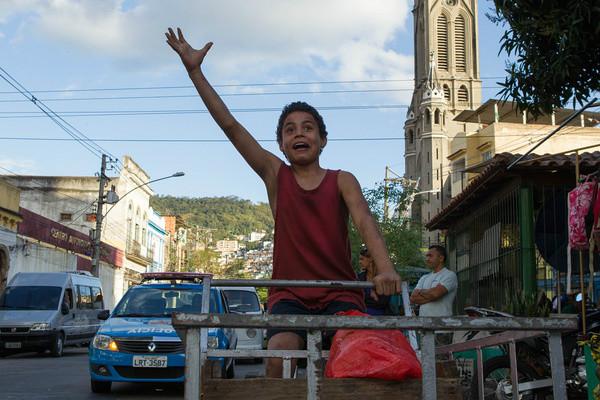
[(300, 145)]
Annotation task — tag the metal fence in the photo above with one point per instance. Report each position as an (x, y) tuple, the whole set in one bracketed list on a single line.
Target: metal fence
[(486, 247), (485, 252), (194, 329)]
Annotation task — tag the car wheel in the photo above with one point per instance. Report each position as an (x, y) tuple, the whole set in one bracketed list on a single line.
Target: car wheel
[(100, 386), (58, 345)]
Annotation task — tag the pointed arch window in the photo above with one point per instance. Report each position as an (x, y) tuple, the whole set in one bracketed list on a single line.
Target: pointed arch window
[(460, 53), (463, 95), (144, 230), (411, 137), (427, 117), (129, 221), (136, 233), (442, 42), (436, 116), (447, 93)]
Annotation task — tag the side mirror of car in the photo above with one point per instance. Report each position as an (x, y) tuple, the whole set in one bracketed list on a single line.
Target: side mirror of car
[(64, 309), (103, 315)]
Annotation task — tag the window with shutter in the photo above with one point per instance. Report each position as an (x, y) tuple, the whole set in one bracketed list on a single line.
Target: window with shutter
[(463, 95), (446, 93), (442, 42), (459, 40)]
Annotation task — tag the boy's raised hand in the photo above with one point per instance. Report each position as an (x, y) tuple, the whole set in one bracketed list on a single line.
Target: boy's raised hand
[(191, 58)]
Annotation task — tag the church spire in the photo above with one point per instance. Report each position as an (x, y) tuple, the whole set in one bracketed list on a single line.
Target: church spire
[(433, 90), (432, 79)]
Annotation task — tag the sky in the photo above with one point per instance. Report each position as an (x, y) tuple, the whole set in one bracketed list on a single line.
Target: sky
[(105, 69)]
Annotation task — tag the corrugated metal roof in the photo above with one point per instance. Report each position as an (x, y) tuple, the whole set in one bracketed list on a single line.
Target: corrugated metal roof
[(495, 168)]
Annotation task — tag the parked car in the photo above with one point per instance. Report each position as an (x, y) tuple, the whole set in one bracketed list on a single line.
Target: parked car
[(244, 300), (47, 311), (138, 343)]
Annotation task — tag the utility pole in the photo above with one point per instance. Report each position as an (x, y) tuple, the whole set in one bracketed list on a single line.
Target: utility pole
[(385, 188), (98, 231)]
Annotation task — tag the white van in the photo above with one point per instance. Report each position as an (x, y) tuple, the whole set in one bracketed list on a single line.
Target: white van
[(244, 300), (46, 311)]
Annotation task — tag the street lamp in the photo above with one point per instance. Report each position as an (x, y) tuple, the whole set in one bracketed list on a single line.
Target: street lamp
[(113, 198), (408, 210)]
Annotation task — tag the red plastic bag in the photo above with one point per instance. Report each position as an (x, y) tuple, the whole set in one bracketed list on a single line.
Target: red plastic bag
[(380, 354)]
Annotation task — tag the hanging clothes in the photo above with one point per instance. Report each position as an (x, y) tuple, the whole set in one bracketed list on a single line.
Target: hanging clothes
[(581, 200)]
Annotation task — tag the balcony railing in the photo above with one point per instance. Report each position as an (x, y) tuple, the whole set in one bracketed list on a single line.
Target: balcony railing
[(133, 251)]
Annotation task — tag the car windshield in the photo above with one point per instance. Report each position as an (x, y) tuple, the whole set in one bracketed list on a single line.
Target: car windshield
[(242, 301), (30, 298), (161, 302)]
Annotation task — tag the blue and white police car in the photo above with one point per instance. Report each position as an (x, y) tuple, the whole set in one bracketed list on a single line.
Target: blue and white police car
[(137, 342)]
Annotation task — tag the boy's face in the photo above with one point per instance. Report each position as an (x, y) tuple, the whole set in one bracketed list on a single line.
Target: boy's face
[(301, 141)]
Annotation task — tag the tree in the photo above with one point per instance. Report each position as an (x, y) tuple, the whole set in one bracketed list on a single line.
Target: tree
[(235, 270), (555, 45), (402, 236), (206, 261)]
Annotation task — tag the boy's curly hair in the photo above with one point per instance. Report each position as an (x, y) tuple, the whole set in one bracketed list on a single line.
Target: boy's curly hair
[(300, 106)]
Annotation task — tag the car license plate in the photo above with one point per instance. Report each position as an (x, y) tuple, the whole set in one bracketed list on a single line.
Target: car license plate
[(150, 361), (12, 345)]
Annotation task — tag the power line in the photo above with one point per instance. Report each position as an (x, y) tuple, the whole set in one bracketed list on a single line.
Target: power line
[(181, 96), (346, 82), (182, 140), (95, 149), (107, 113)]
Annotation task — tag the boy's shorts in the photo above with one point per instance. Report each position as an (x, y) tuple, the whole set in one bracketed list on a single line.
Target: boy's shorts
[(293, 307)]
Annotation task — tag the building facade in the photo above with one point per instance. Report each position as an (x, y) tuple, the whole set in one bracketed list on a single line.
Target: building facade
[(447, 81), (70, 202), (9, 220), (156, 241)]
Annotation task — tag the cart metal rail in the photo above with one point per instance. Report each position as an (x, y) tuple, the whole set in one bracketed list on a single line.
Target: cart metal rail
[(193, 328)]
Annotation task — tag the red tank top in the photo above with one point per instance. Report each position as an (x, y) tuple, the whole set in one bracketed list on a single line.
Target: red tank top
[(311, 241)]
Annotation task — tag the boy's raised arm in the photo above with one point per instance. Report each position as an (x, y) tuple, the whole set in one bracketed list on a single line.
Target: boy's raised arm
[(264, 163)]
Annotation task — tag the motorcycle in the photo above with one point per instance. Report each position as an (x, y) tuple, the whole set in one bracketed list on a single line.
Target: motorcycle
[(533, 364)]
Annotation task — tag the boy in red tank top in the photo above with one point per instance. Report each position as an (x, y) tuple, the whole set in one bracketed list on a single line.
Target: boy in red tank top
[(311, 207)]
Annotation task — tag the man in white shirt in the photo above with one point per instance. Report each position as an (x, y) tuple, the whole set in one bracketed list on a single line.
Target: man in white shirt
[(435, 291)]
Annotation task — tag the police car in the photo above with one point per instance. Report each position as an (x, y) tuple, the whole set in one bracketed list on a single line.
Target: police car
[(137, 343)]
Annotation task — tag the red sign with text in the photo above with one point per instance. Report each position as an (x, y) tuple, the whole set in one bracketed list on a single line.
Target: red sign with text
[(45, 230)]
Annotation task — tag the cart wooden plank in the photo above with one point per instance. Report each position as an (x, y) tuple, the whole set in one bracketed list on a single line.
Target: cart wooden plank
[(331, 389)]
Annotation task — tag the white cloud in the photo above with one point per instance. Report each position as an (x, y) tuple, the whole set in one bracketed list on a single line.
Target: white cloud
[(339, 39), (8, 8)]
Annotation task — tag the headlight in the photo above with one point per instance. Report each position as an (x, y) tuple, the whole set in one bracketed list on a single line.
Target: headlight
[(213, 342), (104, 342), (42, 326), (251, 333)]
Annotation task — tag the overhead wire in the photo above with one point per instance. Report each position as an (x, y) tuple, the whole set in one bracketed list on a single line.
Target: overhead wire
[(47, 112), (242, 94), (112, 113), (75, 133), (230, 85)]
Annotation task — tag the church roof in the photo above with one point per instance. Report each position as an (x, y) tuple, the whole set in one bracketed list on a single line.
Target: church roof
[(507, 112)]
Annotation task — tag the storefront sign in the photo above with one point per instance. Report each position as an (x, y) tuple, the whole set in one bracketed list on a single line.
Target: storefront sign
[(45, 230)]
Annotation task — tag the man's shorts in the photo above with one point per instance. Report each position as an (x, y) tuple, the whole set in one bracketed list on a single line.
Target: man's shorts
[(293, 307)]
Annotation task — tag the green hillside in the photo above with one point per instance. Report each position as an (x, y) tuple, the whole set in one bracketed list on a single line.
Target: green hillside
[(227, 215)]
